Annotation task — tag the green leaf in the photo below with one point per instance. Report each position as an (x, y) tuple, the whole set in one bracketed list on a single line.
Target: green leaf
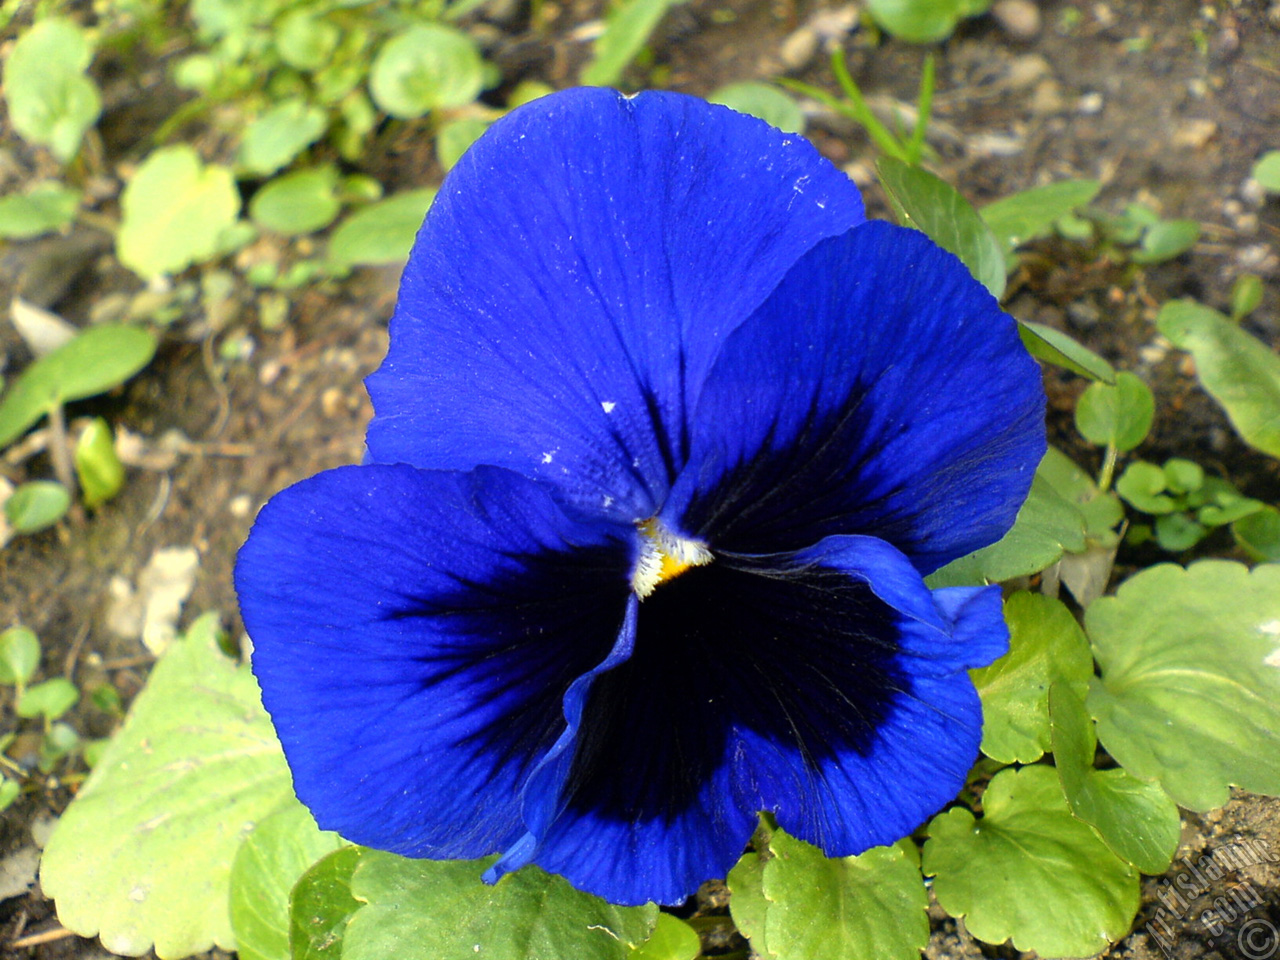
[(1165, 240), (19, 655), (440, 910), (1236, 368), (923, 21), (868, 907), (1246, 295), (274, 139), (1183, 476), (1136, 819), (1259, 535), (175, 209), (747, 903), (98, 468), (1046, 646), (9, 791), (934, 206), (36, 505), (1028, 851), (1062, 350), (762, 100), (1046, 526), (300, 202), (1142, 485), (382, 232), (46, 207), (96, 360), (270, 861), (51, 101), (1101, 511), (1032, 213), (424, 68), (455, 137), (1267, 171), (1190, 686), (143, 854), (1119, 414), (304, 40), (50, 699), (627, 29), (672, 939), (321, 905), (1176, 532)]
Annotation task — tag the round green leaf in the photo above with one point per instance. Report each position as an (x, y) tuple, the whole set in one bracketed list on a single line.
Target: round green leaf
[(50, 699), (868, 907), (301, 202), (382, 232), (1246, 295), (304, 40), (424, 68), (762, 100), (98, 468), (95, 361), (9, 791), (270, 861), (672, 939), (1167, 239), (1142, 485), (275, 138), (1176, 532), (1183, 476), (1267, 171), (19, 655), (36, 505), (1119, 414), (1028, 851), (747, 904), (1240, 371), (1136, 819), (1046, 646), (1190, 686), (932, 205), (143, 854), (51, 101), (1259, 534), (321, 904), (1047, 525), (455, 137), (441, 910), (46, 207), (175, 211), (923, 21)]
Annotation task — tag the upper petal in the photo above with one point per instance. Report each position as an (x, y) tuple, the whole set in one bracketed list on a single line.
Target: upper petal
[(575, 279), (414, 635), (880, 390)]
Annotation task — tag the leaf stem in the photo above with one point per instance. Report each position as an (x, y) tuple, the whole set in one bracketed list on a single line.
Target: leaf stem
[(1108, 468)]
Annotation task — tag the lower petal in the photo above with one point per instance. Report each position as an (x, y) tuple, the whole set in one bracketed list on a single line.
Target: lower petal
[(414, 635)]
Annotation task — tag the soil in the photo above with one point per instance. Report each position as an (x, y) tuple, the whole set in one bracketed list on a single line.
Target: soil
[(1168, 102)]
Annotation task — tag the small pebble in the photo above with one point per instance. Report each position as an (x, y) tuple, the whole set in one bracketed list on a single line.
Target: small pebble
[(1019, 18), (799, 48), (1089, 103), (332, 403), (1194, 133), (240, 506)]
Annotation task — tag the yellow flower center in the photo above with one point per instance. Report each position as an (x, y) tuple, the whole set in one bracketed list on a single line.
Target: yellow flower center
[(663, 556)]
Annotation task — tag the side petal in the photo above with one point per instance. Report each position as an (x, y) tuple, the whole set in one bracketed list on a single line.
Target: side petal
[(575, 278), (414, 634), (879, 391), (828, 687)]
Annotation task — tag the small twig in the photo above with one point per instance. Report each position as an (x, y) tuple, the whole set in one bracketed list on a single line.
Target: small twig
[(46, 936), (69, 665), (124, 663), (58, 448)]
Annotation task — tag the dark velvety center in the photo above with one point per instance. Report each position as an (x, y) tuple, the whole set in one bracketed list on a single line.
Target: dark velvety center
[(523, 637), (812, 484), (804, 657)]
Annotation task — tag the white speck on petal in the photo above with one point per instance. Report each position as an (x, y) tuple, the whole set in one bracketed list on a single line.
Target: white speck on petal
[(607, 502), (548, 457), (608, 405)]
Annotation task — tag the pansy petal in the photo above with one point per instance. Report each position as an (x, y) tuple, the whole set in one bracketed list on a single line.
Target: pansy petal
[(575, 278), (879, 391), (826, 686), (414, 635)]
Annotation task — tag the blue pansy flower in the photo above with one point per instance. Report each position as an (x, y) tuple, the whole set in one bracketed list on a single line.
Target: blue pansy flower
[(666, 439)]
